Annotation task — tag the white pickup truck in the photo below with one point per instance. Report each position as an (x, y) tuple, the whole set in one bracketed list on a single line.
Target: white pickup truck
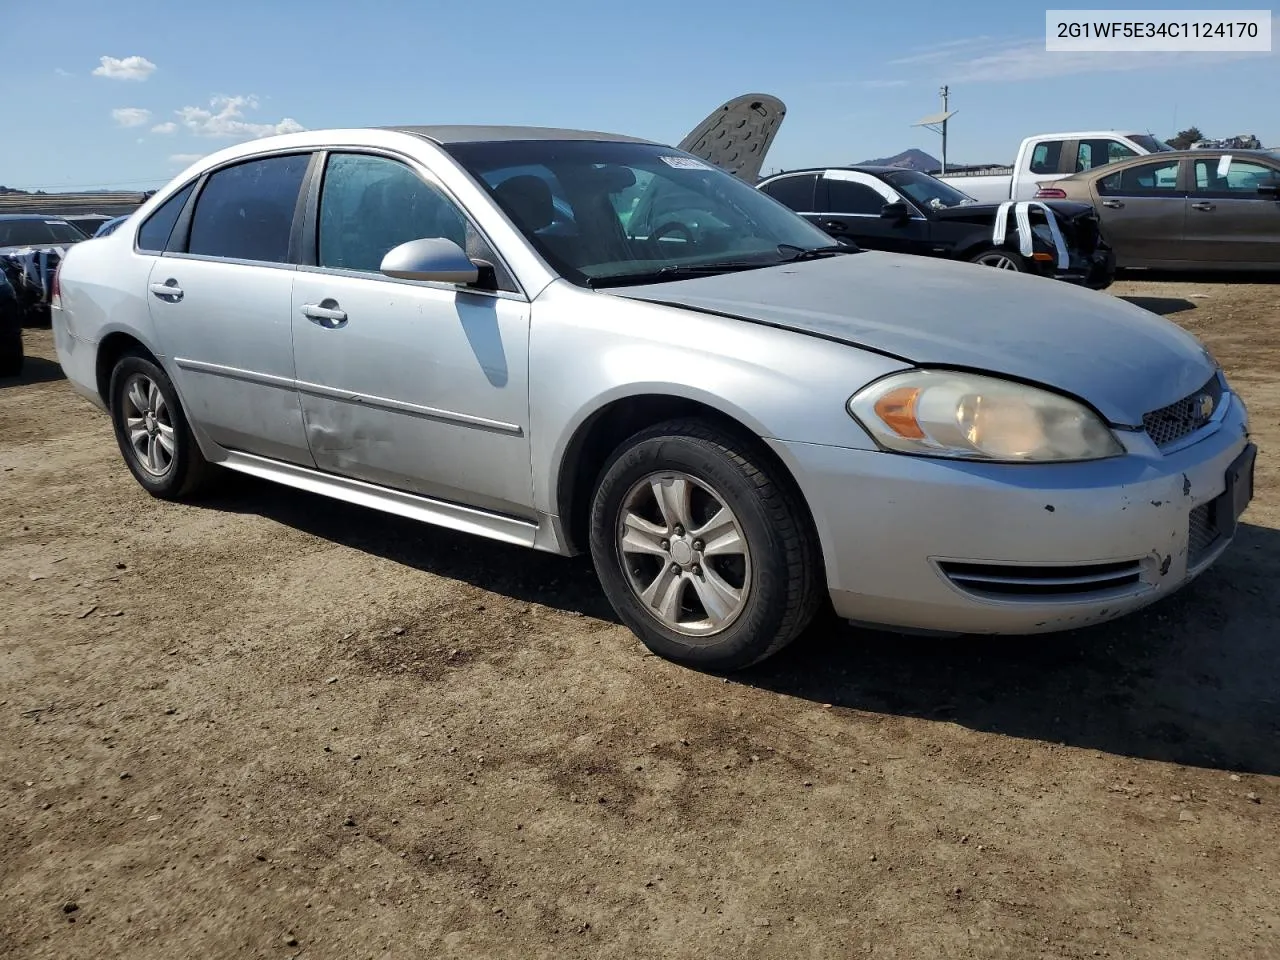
[(1051, 156)]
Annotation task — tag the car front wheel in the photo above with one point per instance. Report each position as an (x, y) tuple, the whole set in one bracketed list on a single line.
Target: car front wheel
[(702, 548), (1000, 259), (153, 432)]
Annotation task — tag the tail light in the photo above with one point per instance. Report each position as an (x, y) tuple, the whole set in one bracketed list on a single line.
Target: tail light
[(1051, 193), (55, 288)]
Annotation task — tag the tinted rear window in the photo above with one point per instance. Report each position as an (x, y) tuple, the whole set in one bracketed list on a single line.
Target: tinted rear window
[(245, 212)]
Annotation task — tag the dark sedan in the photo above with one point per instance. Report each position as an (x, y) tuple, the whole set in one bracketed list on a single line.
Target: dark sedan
[(905, 211), (1194, 209)]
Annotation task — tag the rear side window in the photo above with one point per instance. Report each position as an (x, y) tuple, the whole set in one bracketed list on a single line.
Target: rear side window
[(796, 192), (154, 235), (245, 212), (1146, 179)]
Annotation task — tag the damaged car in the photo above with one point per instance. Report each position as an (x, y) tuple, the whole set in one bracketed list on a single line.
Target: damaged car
[(740, 421), (906, 211), (11, 353), (31, 247)]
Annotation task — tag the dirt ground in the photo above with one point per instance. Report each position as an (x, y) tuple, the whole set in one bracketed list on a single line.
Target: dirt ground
[(277, 726)]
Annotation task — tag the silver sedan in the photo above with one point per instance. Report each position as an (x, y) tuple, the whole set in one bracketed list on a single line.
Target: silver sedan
[(580, 342)]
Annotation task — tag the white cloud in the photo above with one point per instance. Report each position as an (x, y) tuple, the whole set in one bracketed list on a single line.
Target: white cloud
[(63, 73), (184, 158), (167, 127), (983, 59), (130, 68), (130, 116), (225, 118)]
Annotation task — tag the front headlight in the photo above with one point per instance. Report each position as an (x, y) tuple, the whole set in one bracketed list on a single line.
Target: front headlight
[(943, 413)]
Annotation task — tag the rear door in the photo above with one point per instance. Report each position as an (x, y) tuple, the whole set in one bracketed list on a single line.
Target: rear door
[(1143, 209), (220, 297), (1228, 220), (850, 204)]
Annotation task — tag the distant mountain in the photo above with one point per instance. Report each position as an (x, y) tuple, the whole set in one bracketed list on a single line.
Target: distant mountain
[(912, 159)]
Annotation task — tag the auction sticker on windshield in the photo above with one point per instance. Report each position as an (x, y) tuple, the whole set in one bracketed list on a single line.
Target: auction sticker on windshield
[(684, 163)]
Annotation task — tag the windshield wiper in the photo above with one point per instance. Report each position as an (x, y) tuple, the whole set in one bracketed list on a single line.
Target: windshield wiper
[(676, 271), (814, 253)]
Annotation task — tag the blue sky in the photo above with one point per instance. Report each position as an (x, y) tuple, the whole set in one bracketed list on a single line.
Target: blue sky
[(181, 80)]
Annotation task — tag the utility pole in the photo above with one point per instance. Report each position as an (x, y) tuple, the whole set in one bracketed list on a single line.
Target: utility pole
[(937, 122), (946, 92)]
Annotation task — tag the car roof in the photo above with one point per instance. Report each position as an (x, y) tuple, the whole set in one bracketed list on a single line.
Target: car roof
[(32, 216), (860, 167), (479, 133)]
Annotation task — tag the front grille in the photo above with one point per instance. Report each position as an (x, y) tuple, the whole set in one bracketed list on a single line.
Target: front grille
[(1170, 424), (1006, 581), (1202, 533)]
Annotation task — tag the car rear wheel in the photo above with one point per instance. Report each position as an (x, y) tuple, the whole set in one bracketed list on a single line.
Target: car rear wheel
[(153, 432), (703, 550), (1000, 259), (11, 356)]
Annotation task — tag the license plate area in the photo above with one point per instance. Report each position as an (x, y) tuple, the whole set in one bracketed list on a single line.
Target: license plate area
[(1215, 521)]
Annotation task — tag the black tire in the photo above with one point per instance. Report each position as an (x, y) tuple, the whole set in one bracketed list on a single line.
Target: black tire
[(188, 472), (11, 355), (1019, 264), (785, 579)]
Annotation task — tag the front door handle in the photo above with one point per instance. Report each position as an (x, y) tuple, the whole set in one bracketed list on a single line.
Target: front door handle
[(1113, 204), (834, 225), (1203, 205), (326, 313), (169, 290)]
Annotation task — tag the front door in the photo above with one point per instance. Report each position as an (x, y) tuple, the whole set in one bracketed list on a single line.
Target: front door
[(849, 204), (422, 387), (1228, 220), (1142, 209), (220, 298)]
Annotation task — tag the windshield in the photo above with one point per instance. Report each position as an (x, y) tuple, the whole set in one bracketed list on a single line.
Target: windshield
[(1150, 143), (607, 211), (37, 233), (927, 191)]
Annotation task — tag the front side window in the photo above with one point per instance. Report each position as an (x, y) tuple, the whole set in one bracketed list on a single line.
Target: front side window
[(1236, 178), (602, 211), (246, 212), (1098, 153), (1145, 179), (371, 204), (846, 196), (154, 235)]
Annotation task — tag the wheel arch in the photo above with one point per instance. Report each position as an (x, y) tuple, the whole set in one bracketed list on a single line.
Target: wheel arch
[(111, 348), (603, 430)]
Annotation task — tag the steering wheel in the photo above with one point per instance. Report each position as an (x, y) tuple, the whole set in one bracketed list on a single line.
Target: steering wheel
[(671, 227)]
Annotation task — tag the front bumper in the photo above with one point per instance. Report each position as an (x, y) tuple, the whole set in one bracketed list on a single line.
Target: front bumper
[(913, 543), (1096, 271)]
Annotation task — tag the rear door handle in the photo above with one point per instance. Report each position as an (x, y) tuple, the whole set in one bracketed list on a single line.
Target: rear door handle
[(1113, 204), (326, 313), (1202, 206), (169, 290)]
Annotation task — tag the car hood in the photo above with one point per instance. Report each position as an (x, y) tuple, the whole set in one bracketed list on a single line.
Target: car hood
[(1121, 359)]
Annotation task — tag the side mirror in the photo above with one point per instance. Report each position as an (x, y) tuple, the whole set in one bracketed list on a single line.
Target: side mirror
[(898, 210), (432, 258), (1270, 190)]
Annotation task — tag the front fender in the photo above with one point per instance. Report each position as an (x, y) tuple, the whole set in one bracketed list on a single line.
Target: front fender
[(589, 350)]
